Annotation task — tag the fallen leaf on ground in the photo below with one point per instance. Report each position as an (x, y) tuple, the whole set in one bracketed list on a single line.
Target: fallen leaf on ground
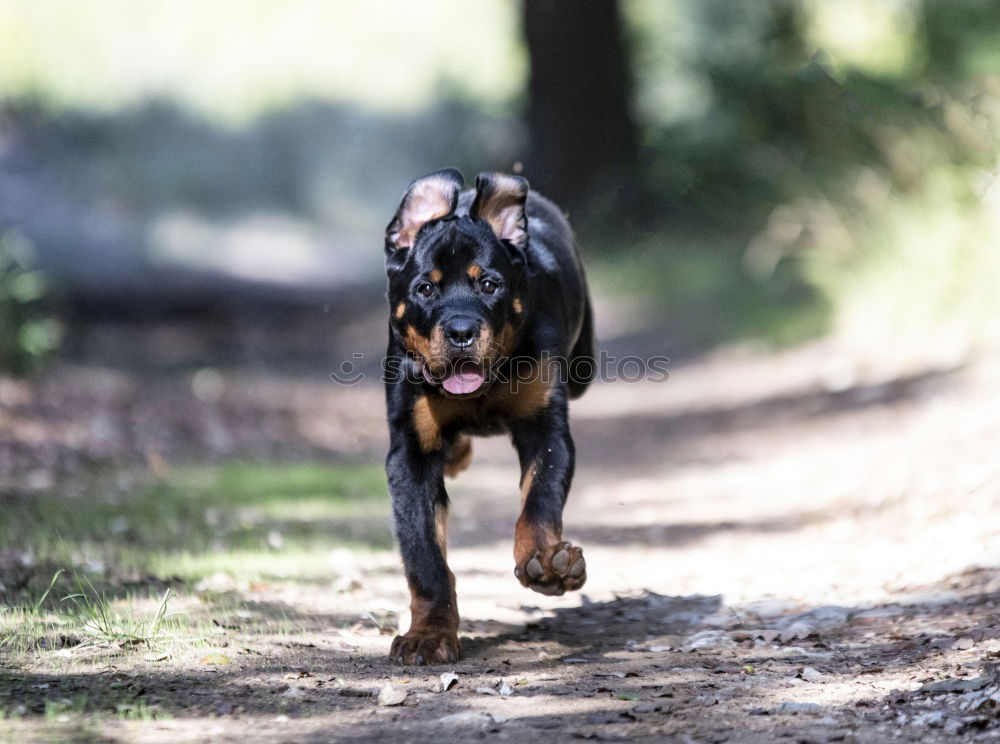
[(797, 630), (448, 680), (877, 615), (390, 694), (811, 675), (956, 685), (155, 657), (708, 639), (466, 717), (796, 708), (216, 659)]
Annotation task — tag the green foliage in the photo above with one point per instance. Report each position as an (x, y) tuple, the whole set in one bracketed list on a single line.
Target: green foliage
[(850, 180), (27, 335)]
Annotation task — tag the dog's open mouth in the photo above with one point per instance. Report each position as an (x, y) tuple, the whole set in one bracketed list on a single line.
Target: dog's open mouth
[(464, 377)]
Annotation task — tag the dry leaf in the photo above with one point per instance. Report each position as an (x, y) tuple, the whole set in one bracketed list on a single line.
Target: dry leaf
[(811, 675), (216, 659), (391, 695)]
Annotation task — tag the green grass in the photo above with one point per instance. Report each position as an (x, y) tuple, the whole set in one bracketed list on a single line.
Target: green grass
[(90, 558), (102, 625), (121, 567), (201, 520)]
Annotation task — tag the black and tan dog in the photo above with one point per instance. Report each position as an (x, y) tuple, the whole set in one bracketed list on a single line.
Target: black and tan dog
[(490, 331)]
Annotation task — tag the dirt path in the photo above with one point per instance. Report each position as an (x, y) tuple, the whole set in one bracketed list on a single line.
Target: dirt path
[(800, 547)]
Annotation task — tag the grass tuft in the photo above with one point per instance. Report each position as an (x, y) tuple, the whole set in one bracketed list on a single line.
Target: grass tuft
[(103, 626)]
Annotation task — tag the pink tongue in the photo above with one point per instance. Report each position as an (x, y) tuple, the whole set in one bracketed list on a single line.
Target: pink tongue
[(466, 379)]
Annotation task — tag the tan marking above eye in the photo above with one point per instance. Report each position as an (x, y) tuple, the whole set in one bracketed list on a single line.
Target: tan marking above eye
[(474, 271), (436, 275), (400, 310)]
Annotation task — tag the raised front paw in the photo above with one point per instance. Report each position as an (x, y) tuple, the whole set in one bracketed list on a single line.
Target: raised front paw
[(553, 570), (425, 647)]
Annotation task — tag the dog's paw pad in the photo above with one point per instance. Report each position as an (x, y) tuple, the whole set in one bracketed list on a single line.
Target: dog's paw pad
[(560, 561), (554, 570), (534, 568)]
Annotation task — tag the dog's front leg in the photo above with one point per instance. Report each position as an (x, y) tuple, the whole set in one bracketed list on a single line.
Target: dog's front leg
[(542, 560), (420, 514)]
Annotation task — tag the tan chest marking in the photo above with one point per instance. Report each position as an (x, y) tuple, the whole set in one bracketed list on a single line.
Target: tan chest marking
[(431, 415)]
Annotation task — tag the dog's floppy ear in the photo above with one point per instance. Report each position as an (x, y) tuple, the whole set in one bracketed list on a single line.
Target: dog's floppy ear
[(500, 201), (428, 198)]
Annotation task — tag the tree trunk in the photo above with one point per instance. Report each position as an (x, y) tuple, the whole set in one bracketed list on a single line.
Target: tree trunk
[(583, 143)]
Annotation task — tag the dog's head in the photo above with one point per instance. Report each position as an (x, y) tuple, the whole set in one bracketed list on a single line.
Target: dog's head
[(456, 283)]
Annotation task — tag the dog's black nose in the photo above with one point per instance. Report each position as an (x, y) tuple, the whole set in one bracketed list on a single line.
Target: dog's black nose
[(461, 332)]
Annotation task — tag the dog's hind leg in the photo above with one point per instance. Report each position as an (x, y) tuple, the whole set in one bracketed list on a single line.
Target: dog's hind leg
[(583, 357), (459, 456)]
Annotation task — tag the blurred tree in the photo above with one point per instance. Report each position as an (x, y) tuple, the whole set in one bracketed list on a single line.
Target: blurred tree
[(583, 140)]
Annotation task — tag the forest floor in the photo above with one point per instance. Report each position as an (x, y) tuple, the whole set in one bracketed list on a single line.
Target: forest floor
[(802, 546)]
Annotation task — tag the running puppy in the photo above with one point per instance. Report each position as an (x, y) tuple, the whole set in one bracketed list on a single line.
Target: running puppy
[(490, 331)]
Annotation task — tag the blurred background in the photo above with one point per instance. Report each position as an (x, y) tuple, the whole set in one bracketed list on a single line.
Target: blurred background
[(795, 200), (223, 171)]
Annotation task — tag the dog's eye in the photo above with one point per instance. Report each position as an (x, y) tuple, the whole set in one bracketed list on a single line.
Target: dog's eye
[(488, 286), (425, 289)]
